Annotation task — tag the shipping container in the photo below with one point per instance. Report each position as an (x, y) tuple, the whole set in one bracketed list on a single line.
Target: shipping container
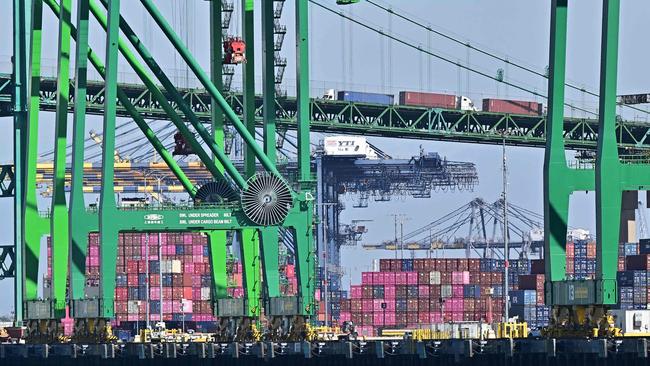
[(428, 100), (364, 97), (512, 106)]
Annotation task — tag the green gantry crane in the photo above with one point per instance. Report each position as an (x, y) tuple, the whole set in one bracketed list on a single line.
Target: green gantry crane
[(580, 306), (252, 204)]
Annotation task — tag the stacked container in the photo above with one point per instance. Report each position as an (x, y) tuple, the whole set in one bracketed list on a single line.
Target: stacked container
[(414, 293)]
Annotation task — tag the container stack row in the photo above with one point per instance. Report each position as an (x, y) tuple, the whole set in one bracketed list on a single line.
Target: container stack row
[(414, 293)]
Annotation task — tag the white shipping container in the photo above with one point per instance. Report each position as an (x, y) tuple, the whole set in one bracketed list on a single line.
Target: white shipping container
[(632, 322), (134, 307), (445, 291), (349, 146), (205, 293), (434, 278), (176, 266)]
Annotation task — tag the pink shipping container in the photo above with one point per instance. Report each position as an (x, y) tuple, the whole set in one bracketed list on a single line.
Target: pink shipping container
[(457, 290), (376, 305), (366, 278), (457, 316), (389, 278), (167, 306), (423, 291), (400, 278), (435, 317), (154, 293), (460, 277), (429, 100), (355, 291), (512, 106), (411, 278), (389, 292), (378, 319), (345, 317)]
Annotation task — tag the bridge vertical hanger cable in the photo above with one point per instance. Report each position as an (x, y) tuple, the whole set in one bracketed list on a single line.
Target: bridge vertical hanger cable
[(431, 30), (459, 64)]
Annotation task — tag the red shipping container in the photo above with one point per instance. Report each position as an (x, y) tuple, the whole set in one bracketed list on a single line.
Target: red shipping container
[(356, 305), (497, 278), (412, 319), (474, 265), (423, 305), (121, 294), (434, 292), (428, 100), (429, 265), (570, 249), (512, 106), (366, 292), (445, 277), (451, 265), (463, 264), (570, 266), (412, 305), (440, 265), (384, 265), (591, 250)]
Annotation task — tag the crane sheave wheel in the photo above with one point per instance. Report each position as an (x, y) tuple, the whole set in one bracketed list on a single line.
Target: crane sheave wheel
[(215, 192), (267, 200)]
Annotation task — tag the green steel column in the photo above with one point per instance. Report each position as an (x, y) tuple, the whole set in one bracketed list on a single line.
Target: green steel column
[(248, 73), (302, 79), (216, 69), (108, 233), (182, 104), (250, 258), (217, 240), (59, 218), (556, 190), (250, 242), (270, 264), (167, 157), (305, 253), (609, 179), (34, 225), (269, 236), (22, 21), (164, 103), (81, 222), (210, 88), (218, 257)]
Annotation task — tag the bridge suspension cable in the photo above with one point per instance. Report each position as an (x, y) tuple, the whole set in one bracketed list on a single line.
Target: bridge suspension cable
[(467, 44), (443, 58)]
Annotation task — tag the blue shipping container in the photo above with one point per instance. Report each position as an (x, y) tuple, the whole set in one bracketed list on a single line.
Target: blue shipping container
[(523, 297), (361, 97)]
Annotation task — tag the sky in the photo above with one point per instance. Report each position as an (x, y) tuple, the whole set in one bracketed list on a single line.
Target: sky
[(348, 57)]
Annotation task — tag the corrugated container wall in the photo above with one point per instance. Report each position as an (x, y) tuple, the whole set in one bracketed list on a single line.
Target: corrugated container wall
[(429, 100), (512, 106), (362, 97)]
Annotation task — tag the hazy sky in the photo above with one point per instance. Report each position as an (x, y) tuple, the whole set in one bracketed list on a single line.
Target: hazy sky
[(349, 57)]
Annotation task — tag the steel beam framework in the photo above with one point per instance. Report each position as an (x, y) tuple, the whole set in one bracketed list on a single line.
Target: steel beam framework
[(611, 177), (70, 228), (371, 120)]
